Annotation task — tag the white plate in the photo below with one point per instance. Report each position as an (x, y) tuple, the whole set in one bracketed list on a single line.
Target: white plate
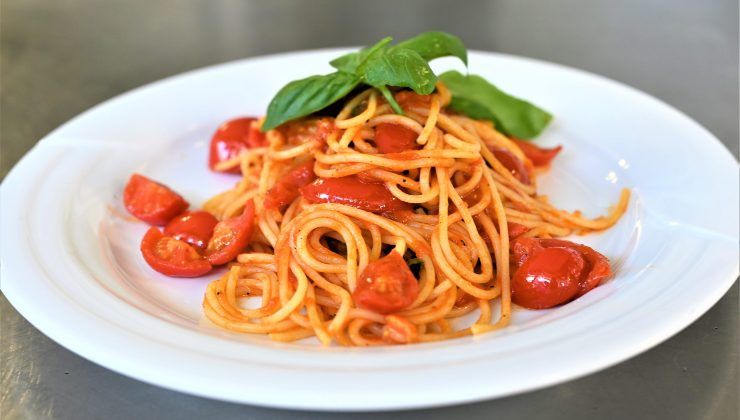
[(71, 266)]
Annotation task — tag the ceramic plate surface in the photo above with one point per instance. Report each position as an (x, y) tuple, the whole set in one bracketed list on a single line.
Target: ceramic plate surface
[(71, 265)]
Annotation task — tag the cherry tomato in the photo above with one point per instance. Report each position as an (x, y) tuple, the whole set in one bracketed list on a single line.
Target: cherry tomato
[(324, 127), (394, 138), (548, 278), (352, 191), (399, 330), (304, 130), (193, 227), (171, 257), (288, 187), (151, 201), (512, 163), (231, 236), (411, 99), (538, 155), (596, 268), (523, 248), (516, 230), (231, 138), (597, 265), (386, 285)]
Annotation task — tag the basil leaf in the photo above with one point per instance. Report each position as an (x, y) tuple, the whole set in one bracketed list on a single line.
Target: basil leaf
[(391, 100), (399, 67), (415, 261), (434, 44), (303, 97), (349, 63), (474, 96)]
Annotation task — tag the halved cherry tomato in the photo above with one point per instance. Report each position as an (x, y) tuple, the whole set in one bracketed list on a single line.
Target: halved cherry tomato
[(231, 138), (548, 278), (193, 227), (538, 155), (171, 257), (386, 285), (394, 138), (512, 163), (287, 188), (231, 236), (352, 191), (596, 268), (151, 201)]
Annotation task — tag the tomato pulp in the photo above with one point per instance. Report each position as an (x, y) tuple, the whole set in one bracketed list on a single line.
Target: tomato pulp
[(231, 236), (172, 257), (193, 227)]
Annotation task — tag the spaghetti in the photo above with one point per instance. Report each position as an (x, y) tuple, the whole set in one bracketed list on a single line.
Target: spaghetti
[(458, 203)]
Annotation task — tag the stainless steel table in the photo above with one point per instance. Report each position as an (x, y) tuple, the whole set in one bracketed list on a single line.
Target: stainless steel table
[(61, 57)]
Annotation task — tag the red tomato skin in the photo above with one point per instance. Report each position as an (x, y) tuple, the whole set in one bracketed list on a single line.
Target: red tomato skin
[(386, 285), (151, 201), (516, 230), (172, 257), (522, 248), (288, 187), (231, 138), (512, 163), (394, 138), (596, 270), (193, 227), (597, 265), (231, 236), (411, 99), (538, 155), (548, 278), (352, 191)]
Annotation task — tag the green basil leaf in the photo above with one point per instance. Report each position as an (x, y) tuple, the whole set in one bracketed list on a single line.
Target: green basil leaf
[(476, 97), (303, 97), (399, 67), (349, 63), (434, 44), (415, 261), (391, 100)]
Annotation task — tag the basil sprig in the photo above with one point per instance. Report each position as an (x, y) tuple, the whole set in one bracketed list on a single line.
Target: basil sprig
[(382, 65), (475, 97), (406, 65)]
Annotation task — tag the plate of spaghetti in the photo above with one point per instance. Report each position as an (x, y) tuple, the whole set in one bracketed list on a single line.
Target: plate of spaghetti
[(404, 225)]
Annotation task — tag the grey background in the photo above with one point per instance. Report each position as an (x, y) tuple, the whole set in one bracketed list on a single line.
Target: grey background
[(58, 58)]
